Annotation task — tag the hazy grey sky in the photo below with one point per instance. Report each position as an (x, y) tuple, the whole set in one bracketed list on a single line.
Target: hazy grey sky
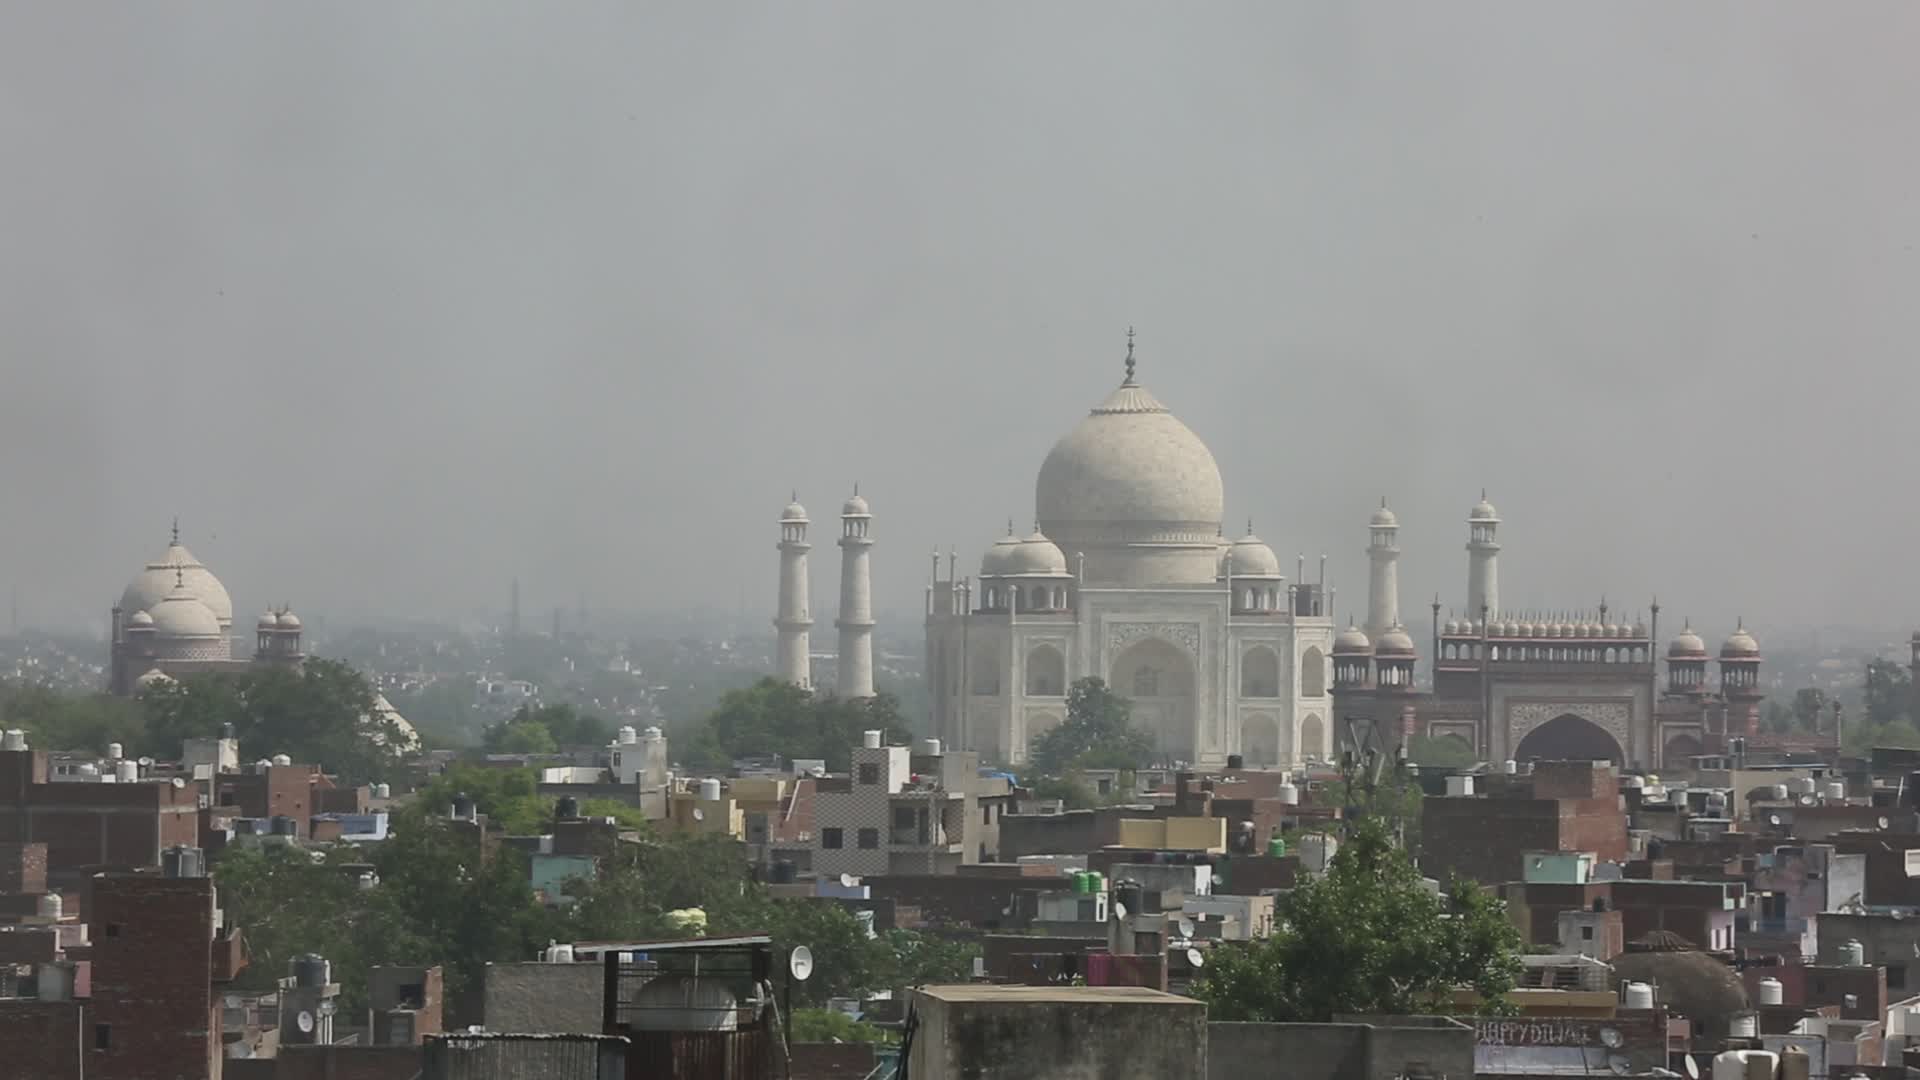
[(392, 303)]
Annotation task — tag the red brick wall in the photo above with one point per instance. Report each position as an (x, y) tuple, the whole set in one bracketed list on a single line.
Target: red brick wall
[(152, 979), (1595, 825), (40, 1040), (1574, 780), (831, 1061), (121, 826), (1483, 839), (23, 868), (958, 901), (348, 1063), (28, 944)]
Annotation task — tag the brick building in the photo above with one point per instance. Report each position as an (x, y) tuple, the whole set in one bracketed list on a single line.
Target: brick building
[(1563, 806), (89, 827)]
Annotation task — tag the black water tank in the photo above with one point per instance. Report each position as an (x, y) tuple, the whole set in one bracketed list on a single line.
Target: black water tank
[(462, 809), (183, 862), (1128, 894), (568, 807), (1235, 761), (784, 872), (284, 826)]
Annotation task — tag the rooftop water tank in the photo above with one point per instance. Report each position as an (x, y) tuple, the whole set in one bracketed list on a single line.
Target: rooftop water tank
[(383, 791), (1716, 804), (685, 1003), (566, 807), (559, 954), (871, 739), (50, 906), (628, 736), (709, 790), (929, 747), (1836, 791), (126, 772), (1459, 785), (184, 862), (1853, 954), (1510, 767), (1772, 992), (1741, 1064), (15, 739), (115, 751), (282, 759), (1744, 1025), (1803, 785), (1639, 995), (1778, 793), (1289, 794), (1236, 761), (311, 970)]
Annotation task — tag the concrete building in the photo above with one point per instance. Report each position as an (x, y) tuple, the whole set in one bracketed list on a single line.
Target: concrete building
[(901, 812), (91, 827), (1382, 1048), (1128, 576), (1055, 1033)]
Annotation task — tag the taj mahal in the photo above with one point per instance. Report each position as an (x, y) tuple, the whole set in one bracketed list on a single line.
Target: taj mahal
[(1128, 576)]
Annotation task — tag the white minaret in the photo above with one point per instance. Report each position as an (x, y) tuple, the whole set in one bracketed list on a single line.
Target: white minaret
[(856, 600), (794, 618), (1483, 554), (1383, 583)]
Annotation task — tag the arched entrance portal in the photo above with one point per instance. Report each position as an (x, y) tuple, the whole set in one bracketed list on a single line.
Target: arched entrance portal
[(1678, 750), (1569, 738), (1261, 741), (1158, 678)]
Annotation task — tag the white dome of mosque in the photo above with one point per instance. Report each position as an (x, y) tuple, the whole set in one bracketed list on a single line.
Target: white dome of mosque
[(289, 621), (1739, 645), (1130, 472), (1383, 518), (1687, 645), (1003, 557), (854, 507), (794, 512), (1483, 510), (154, 583), (183, 615), (1036, 555), (139, 620), (1250, 557), (1394, 642), (1352, 640), (268, 621)]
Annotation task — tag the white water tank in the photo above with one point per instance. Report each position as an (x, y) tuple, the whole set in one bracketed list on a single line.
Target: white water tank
[(559, 954), (1778, 793), (1772, 992), (1639, 995), (1317, 851), (1289, 794), (115, 751), (282, 759), (1744, 1026), (628, 736), (383, 791), (1803, 785), (1853, 954), (50, 906), (1836, 790), (1510, 767), (1744, 1064), (15, 739), (929, 747), (709, 790), (871, 739), (1459, 785), (1716, 804), (126, 772)]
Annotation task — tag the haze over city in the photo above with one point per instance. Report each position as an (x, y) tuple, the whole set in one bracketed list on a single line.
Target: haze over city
[(393, 306)]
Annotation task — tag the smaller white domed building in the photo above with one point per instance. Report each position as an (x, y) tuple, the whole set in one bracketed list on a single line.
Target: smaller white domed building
[(175, 618)]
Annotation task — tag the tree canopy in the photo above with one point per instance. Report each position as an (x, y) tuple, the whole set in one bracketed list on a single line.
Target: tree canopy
[(322, 714), (1369, 937), (61, 720), (1098, 733), (1889, 693), (542, 729), (772, 717)]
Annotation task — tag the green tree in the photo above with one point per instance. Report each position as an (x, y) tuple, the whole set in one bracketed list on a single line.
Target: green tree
[(1889, 694), (1098, 733), (1367, 938), (322, 715), (832, 1025), (772, 717), (544, 729), (61, 720), (1445, 751), (1810, 706)]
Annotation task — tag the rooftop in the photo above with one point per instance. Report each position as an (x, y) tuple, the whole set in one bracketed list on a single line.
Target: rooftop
[(1061, 995)]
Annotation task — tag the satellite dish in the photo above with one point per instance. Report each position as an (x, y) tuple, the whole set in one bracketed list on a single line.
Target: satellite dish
[(1119, 911), (1807, 800), (1693, 1067), (1773, 819), (180, 782), (146, 763), (1219, 879), (699, 814), (1186, 927), (1610, 1037), (1885, 824), (1196, 958), (304, 1022), (800, 963), (848, 880)]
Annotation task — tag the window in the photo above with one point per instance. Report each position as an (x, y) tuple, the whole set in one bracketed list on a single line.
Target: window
[(1896, 976), (103, 1036), (986, 813), (869, 774), (1586, 933), (903, 817), (831, 838), (869, 839), (113, 929), (1105, 786)]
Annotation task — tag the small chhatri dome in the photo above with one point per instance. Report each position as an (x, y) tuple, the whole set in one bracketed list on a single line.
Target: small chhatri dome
[(1483, 510), (183, 615), (1036, 555), (1452, 627), (139, 620), (1740, 644), (153, 676), (856, 506), (1002, 558), (289, 621), (268, 621), (1250, 557), (1383, 518), (794, 513), (1687, 645), (1394, 642), (1352, 640)]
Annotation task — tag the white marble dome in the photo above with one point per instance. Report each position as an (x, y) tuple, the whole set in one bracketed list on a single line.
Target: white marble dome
[(183, 615), (1352, 640), (1740, 645), (1036, 555), (177, 564), (1250, 557), (1130, 472), (1002, 558), (1394, 642), (1687, 645), (1383, 518), (139, 620)]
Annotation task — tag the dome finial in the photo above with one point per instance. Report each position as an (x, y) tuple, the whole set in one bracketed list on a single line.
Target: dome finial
[(176, 530), (1249, 526), (856, 487), (1129, 379), (1009, 526), (179, 577)]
